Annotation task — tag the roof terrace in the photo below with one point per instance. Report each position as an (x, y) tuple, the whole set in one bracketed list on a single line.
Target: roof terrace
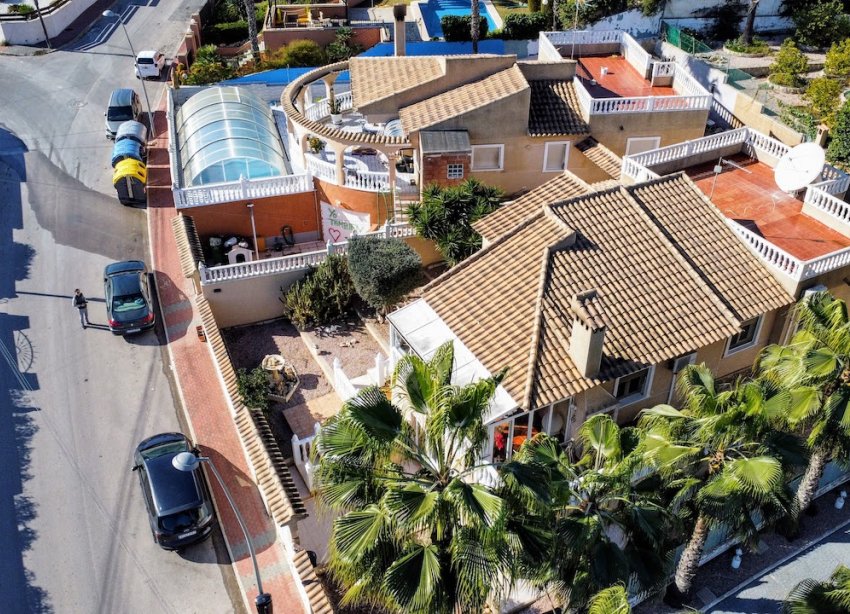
[(617, 75), (799, 235)]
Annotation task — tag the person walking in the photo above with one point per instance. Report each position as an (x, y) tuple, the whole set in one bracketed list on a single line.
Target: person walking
[(81, 304)]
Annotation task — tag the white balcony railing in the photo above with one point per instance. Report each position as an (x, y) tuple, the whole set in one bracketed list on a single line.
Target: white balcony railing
[(635, 55), (662, 69), (368, 181), (758, 142), (639, 104), (321, 168), (322, 109), (244, 189), (585, 37), (775, 257), (684, 84), (294, 262), (302, 450), (633, 164), (825, 264), (824, 201)]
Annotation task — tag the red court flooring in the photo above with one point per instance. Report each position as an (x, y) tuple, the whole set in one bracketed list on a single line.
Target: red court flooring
[(622, 81), (750, 196)]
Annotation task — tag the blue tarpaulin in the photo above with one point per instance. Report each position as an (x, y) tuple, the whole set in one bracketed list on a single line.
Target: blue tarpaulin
[(126, 148)]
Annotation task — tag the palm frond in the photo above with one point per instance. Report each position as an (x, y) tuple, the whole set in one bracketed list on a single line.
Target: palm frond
[(612, 600)]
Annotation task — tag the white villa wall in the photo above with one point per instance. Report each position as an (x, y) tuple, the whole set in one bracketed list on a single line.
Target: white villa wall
[(690, 14), (30, 33), (245, 301)]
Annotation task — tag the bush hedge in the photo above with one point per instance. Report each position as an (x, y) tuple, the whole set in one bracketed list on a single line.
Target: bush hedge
[(383, 270), (521, 26), (457, 28), (323, 296)]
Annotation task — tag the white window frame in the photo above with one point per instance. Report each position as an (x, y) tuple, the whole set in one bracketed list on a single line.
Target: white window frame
[(635, 397), (637, 139), (729, 350), (455, 165), (511, 420), (487, 170), (567, 146)]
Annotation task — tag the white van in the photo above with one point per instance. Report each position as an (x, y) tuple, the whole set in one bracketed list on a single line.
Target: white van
[(149, 64)]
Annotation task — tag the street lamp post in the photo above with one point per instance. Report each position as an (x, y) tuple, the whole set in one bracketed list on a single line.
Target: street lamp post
[(187, 461), (108, 13)]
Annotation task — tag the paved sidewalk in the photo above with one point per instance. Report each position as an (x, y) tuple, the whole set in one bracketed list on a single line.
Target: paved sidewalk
[(204, 403)]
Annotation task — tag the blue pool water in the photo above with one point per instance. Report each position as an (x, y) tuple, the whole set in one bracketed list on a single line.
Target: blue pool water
[(434, 10)]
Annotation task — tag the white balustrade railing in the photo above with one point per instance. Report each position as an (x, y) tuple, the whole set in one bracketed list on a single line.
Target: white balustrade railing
[(683, 151), (322, 109), (584, 98), (302, 449), (293, 262), (345, 390), (765, 144), (769, 253), (662, 69), (824, 264), (685, 84), (649, 104), (245, 189), (368, 181), (829, 204), (637, 172), (320, 168), (585, 37)]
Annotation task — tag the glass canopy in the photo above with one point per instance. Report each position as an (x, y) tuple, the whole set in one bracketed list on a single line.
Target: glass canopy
[(225, 133)]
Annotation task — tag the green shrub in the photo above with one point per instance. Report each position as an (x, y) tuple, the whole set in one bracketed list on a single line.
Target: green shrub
[(789, 65), (837, 62), (819, 24), (839, 145), (823, 94), (228, 10), (342, 47), (253, 387), (208, 67), (323, 296), (301, 53), (21, 9), (738, 45), (799, 118), (457, 28), (520, 26), (383, 270)]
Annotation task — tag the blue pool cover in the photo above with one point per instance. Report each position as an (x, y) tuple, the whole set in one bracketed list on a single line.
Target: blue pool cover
[(435, 10)]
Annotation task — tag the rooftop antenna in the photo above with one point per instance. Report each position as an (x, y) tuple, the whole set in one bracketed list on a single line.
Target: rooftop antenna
[(718, 168), (799, 167)]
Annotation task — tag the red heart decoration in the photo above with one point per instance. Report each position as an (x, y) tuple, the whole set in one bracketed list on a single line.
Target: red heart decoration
[(335, 234)]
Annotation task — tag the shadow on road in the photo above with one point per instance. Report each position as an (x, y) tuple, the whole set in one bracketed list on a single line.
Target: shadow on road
[(17, 380)]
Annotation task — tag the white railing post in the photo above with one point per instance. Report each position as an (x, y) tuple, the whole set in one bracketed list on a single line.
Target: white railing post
[(380, 369)]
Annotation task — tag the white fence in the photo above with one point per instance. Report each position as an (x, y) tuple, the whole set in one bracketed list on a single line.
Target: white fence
[(826, 202), (320, 168), (294, 262), (301, 451), (245, 189), (322, 108)]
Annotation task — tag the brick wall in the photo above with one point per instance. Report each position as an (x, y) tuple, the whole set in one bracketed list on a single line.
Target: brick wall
[(435, 168), (276, 38)]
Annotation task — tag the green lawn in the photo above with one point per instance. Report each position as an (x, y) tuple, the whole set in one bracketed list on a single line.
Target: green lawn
[(506, 7)]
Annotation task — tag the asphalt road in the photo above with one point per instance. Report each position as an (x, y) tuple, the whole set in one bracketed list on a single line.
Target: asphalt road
[(74, 403)]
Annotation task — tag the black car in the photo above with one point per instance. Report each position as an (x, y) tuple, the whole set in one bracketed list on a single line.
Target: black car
[(179, 507), (129, 308)]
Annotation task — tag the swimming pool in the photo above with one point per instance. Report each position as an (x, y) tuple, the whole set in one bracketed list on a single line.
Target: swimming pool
[(434, 10)]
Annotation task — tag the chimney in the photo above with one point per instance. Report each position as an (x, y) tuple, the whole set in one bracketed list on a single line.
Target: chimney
[(823, 132), (399, 34), (588, 333)]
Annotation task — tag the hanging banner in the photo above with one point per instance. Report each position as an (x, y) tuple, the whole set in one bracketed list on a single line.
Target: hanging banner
[(338, 224)]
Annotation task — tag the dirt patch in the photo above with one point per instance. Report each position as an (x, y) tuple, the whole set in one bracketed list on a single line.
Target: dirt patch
[(349, 341), (248, 345)]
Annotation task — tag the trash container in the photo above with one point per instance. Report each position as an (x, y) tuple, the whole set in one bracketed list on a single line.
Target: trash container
[(129, 180)]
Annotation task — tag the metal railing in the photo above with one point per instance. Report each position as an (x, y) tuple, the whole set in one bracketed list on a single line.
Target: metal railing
[(245, 189)]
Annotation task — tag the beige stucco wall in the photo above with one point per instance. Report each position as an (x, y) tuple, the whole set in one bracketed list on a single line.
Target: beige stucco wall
[(613, 131), (749, 111), (245, 301)]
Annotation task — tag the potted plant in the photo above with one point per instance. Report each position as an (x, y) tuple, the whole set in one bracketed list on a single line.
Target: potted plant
[(335, 107), (315, 144)]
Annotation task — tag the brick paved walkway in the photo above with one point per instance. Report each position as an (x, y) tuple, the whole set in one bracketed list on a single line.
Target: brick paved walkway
[(203, 399)]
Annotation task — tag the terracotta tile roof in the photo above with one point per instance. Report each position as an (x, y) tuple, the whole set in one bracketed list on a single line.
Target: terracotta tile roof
[(511, 303), (463, 99), (601, 156), (554, 109), (504, 219), (701, 235), (374, 79)]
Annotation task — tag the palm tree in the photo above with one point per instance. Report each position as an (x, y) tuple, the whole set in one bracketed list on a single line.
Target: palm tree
[(747, 33), (475, 25), (612, 600), (251, 16), (419, 532), (720, 460), (812, 597), (815, 368), (609, 529)]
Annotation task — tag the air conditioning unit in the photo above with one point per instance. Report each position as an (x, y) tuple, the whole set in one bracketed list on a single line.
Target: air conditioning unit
[(679, 363)]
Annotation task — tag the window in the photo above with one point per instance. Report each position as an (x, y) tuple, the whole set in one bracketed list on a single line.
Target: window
[(634, 386), (488, 157), (746, 338), (455, 171), (641, 144), (556, 156), (509, 434)]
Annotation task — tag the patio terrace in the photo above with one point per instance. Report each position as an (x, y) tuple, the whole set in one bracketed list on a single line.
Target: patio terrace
[(613, 77), (799, 235)]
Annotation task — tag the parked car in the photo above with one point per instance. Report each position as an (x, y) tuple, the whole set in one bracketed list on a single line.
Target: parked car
[(124, 105), (149, 64), (178, 503), (129, 307)]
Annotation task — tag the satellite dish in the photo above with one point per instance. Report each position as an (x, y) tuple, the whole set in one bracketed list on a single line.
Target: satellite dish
[(799, 167)]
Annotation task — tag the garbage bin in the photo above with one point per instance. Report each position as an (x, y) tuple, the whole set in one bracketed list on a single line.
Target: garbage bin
[(217, 250), (129, 180)]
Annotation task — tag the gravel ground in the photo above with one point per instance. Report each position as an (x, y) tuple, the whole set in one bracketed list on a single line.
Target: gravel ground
[(349, 341), (718, 575)]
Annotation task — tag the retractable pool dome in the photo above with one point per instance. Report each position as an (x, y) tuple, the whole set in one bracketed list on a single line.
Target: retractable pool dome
[(225, 133)]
